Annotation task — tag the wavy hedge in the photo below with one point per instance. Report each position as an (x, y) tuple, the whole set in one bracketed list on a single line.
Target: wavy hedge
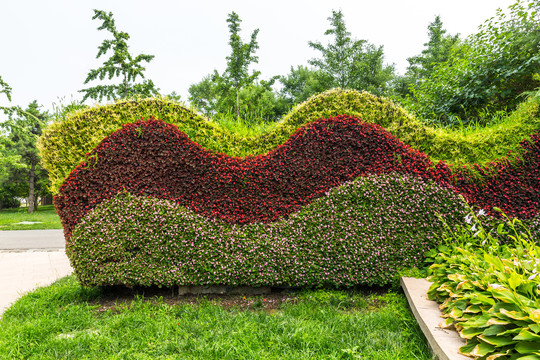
[(359, 233), (65, 144), (151, 158)]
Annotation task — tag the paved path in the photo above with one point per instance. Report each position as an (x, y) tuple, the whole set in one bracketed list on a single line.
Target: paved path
[(29, 259), (31, 239)]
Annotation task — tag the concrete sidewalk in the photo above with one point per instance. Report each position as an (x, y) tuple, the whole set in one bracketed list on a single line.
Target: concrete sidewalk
[(21, 272), (32, 239)]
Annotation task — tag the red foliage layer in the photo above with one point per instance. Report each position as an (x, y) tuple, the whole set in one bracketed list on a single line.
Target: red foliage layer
[(155, 159)]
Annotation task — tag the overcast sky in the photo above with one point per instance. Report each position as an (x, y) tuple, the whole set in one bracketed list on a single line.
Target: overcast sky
[(48, 47)]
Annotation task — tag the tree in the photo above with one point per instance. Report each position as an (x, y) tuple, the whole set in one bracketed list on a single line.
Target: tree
[(120, 64), (5, 89), (22, 133), (436, 51), (8, 159), (237, 90), (349, 63), (488, 71), (300, 84), (242, 55)]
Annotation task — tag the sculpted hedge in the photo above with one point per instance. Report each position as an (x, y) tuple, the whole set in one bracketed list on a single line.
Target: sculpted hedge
[(361, 233), (151, 158), (64, 144)]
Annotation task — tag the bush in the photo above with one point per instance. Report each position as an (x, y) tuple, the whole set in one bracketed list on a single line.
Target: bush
[(151, 158), (360, 233), (490, 289), (487, 72), (65, 143), (9, 202)]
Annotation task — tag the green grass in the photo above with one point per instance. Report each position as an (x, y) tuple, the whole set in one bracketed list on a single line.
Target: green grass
[(66, 321), (45, 215)]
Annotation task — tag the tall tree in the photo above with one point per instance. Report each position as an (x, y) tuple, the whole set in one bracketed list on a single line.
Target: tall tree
[(242, 55), (6, 90), (300, 84), (238, 90), (488, 71), (349, 63), (22, 133), (120, 64), (8, 159), (436, 51)]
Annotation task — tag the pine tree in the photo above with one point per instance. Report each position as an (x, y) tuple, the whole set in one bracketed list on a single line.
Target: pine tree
[(120, 64)]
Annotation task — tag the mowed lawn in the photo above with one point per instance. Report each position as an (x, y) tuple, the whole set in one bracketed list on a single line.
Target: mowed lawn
[(66, 321), (44, 218)]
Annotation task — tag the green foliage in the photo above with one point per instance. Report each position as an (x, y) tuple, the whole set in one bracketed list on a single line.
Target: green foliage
[(436, 51), (5, 89), (120, 64), (65, 143), (352, 64), (237, 90), (358, 234), (489, 289), (28, 175), (486, 72), (300, 84)]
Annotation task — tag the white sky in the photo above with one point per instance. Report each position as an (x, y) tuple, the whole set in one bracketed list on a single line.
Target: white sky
[(48, 47)]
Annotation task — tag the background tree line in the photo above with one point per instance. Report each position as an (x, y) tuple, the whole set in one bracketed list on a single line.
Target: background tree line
[(453, 80)]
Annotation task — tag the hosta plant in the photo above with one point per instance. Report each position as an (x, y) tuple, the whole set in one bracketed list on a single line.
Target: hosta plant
[(488, 284)]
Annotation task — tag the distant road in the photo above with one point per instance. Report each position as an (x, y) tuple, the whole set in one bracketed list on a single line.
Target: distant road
[(32, 239)]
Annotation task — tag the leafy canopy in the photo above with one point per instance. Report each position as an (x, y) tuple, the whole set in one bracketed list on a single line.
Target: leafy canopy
[(237, 90), (120, 64), (348, 63), (26, 177), (488, 71)]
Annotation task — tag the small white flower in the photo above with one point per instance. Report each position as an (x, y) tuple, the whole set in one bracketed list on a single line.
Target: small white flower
[(482, 212), (496, 286), (468, 218), (533, 276), (473, 228)]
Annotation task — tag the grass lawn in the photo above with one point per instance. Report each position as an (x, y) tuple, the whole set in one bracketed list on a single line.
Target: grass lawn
[(66, 321), (45, 215)]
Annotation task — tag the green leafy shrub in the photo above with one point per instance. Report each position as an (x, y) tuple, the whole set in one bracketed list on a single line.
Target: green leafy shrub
[(489, 285), (486, 72), (360, 233), (65, 143)]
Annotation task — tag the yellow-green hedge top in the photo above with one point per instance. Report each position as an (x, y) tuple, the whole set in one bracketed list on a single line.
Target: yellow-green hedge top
[(64, 144)]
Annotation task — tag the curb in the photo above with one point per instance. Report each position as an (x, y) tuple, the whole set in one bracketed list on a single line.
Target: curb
[(444, 343)]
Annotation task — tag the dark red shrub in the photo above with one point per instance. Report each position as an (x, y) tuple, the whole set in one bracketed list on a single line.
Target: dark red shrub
[(155, 159)]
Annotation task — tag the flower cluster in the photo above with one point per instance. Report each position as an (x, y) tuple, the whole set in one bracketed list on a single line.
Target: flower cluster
[(360, 233), (152, 158)]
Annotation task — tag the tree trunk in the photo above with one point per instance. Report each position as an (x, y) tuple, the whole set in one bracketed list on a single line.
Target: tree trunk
[(47, 200), (31, 180), (237, 106), (125, 85), (36, 202)]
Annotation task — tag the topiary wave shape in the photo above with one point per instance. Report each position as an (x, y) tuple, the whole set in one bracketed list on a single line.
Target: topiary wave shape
[(360, 233), (65, 144), (152, 158)]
